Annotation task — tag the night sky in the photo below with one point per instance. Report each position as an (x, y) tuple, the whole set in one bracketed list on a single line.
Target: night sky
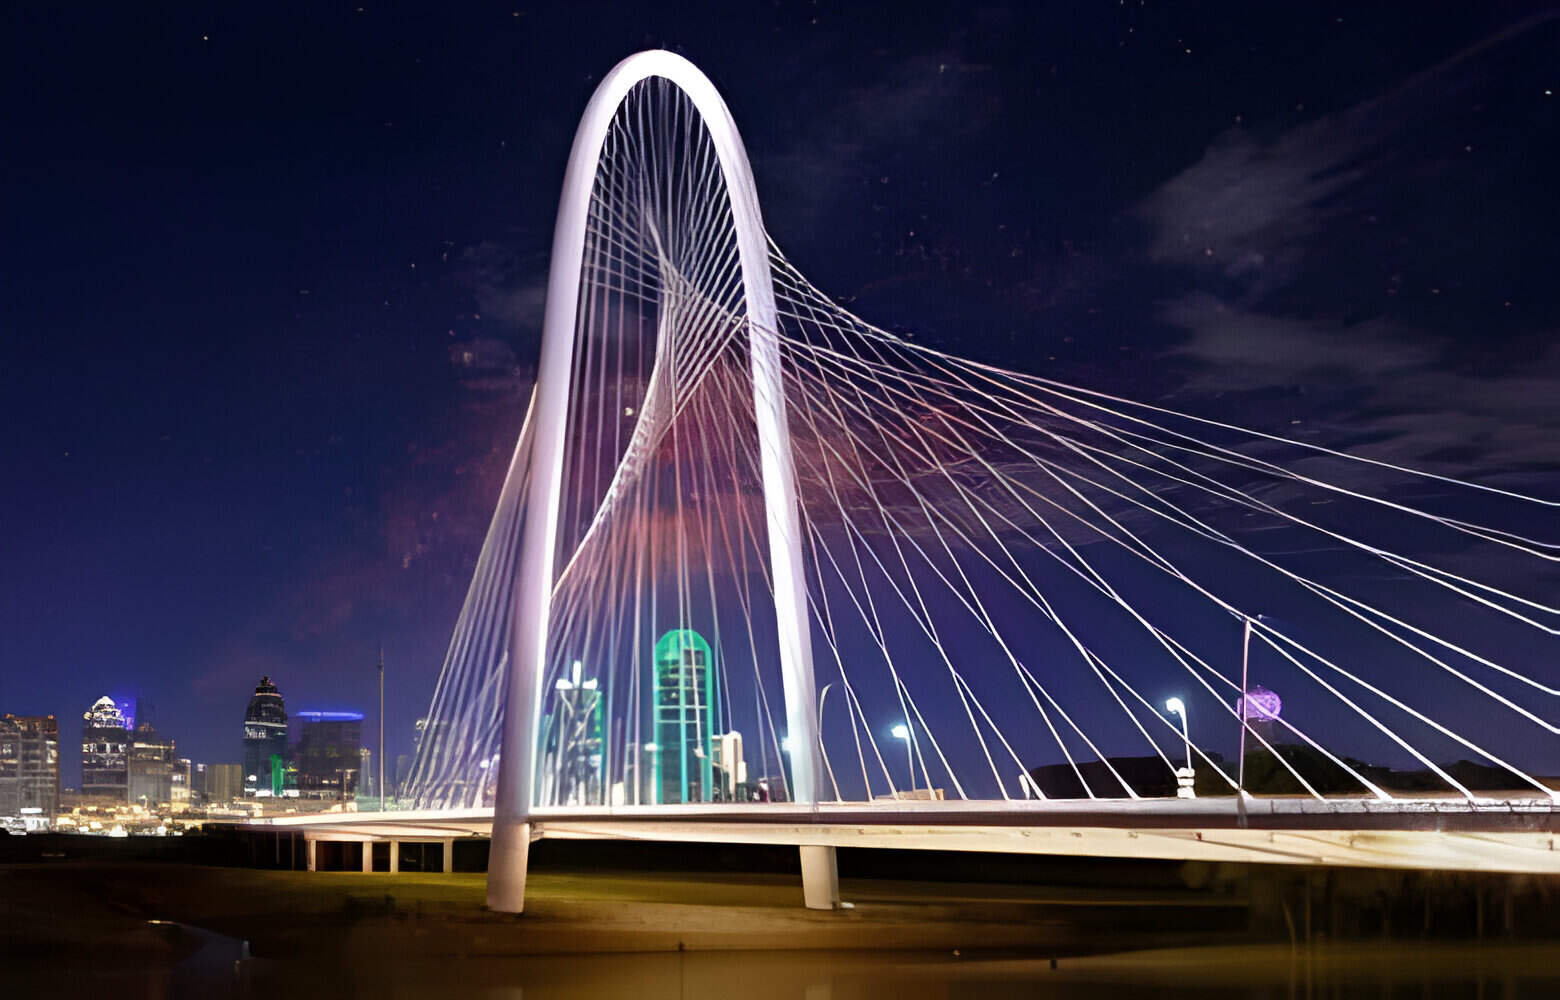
[(272, 275)]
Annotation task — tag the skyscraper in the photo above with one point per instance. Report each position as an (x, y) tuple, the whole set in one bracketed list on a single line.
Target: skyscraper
[(10, 767), (151, 766), (329, 754), (181, 781), (265, 740), (104, 743), (216, 784), (730, 767), (29, 765), (687, 713)]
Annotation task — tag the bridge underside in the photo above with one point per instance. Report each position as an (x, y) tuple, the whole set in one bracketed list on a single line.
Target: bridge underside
[(1496, 835)]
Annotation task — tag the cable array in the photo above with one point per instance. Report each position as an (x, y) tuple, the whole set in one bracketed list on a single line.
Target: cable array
[(1007, 576)]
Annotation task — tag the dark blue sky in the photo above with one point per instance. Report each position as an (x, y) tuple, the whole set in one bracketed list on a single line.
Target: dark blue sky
[(249, 249)]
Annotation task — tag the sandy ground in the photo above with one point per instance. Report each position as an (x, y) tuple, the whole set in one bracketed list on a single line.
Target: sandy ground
[(79, 928), (298, 912)]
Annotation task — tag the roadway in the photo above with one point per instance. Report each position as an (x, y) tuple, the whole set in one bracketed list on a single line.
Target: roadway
[(1517, 833)]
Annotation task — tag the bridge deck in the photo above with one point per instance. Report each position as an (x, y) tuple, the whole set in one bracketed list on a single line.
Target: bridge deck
[(1509, 834)]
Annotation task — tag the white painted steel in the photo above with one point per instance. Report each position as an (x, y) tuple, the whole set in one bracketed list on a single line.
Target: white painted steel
[(1447, 833), (820, 877), (534, 573)]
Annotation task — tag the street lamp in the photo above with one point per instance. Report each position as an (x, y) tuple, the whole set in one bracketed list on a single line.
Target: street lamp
[(381, 788), (654, 750), (1245, 664), (577, 699), (823, 746), (902, 732), (1185, 776)]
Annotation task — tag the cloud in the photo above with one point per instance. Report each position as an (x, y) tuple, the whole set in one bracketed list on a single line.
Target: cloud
[(932, 97), (1242, 349), (488, 365), (509, 287), (1350, 273), (1244, 212), (1391, 391), (1372, 183)]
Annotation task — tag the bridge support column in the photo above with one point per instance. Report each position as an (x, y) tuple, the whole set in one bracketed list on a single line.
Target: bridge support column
[(507, 861), (820, 878), (311, 851), (368, 855), (447, 852), (395, 856)]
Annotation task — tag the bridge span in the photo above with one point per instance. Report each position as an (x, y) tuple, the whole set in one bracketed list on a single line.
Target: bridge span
[(725, 476), (1516, 834)]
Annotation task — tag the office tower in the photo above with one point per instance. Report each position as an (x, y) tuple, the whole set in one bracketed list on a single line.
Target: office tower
[(686, 715), (216, 784), (265, 741), (403, 771), (151, 767), (10, 767), (30, 766), (181, 782), (329, 754), (730, 767), (105, 740)]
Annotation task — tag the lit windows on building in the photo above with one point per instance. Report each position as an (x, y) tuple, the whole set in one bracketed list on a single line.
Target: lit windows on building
[(265, 741), (686, 715), (151, 766), (216, 784), (329, 754), (30, 767), (105, 740)]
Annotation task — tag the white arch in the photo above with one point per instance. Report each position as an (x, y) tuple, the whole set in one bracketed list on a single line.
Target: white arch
[(534, 570)]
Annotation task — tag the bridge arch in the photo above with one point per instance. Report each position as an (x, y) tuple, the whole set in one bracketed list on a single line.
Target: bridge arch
[(534, 574)]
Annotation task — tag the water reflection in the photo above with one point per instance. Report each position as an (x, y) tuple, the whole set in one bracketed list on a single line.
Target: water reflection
[(1453, 970), (198, 963)]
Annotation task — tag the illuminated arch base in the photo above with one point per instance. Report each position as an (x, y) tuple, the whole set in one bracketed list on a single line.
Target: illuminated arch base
[(549, 417)]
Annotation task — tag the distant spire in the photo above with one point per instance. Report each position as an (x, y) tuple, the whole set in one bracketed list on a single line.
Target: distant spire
[(381, 656)]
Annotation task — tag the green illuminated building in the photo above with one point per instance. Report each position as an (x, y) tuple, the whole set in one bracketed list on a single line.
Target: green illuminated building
[(687, 715)]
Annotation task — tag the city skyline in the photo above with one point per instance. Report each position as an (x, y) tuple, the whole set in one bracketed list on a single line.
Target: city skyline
[(71, 760)]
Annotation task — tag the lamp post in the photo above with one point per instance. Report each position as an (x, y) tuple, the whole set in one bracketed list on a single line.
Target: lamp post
[(823, 747), (654, 750), (381, 788), (902, 732), (787, 746), (1245, 662), (576, 700), (1184, 777)]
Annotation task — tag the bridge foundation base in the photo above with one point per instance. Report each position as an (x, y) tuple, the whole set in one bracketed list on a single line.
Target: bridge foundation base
[(507, 860), (820, 878)]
